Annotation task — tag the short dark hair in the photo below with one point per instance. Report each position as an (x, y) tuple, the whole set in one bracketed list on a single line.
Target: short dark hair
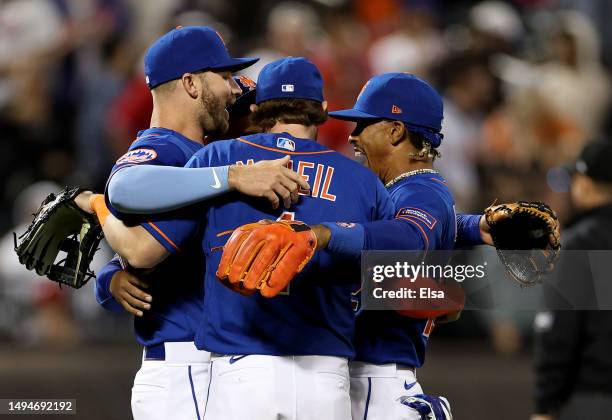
[(289, 111)]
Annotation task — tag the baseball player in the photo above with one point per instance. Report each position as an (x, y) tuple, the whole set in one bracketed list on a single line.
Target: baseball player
[(287, 356), (191, 92), (472, 234), (399, 118), (118, 288)]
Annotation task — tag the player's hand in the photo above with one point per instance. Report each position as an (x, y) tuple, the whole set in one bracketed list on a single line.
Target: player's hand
[(82, 200), (485, 231), (265, 256), (127, 290), (270, 179)]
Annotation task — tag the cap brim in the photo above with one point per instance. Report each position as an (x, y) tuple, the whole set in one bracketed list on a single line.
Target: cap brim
[(247, 98), (242, 104), (352, 115), (235, 64)]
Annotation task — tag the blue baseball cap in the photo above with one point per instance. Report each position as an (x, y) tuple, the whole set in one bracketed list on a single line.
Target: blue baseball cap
[(399, 97), (292, 77), (189, 49)]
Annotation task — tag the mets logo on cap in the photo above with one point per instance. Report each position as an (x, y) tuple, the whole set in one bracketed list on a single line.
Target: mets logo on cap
[(247, 82), (137, 156)]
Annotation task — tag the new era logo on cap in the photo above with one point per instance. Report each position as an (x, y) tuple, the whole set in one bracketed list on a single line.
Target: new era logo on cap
[(287, 88), (396, 109)]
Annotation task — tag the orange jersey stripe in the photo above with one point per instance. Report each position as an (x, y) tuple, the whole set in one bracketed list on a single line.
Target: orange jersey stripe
[(286, 152), (414, 222), (440, 181), (158, 230)]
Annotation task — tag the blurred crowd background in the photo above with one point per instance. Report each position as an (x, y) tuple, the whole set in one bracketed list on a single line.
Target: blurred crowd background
[(525, 83)]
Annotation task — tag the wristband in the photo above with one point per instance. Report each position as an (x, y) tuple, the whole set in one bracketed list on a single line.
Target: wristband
[(347, 239), (98, 205)]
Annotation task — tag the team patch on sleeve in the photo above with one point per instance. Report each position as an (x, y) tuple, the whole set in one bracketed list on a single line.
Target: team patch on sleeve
[(417, 214), (137, 156)]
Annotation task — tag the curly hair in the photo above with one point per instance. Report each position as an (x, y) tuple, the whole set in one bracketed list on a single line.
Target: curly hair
[(289, 111)]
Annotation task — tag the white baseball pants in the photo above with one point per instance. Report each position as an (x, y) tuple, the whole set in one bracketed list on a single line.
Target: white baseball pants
[(173, 388), (376, 391), (259, 387)]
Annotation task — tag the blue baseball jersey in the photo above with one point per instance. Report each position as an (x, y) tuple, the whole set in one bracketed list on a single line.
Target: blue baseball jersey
[(314, 316), (176, 283), (424, 220)]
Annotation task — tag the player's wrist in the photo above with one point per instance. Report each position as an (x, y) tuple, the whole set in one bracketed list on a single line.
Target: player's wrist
[(485, 230), (323, 235), (98, 205), (346, 240), (234, 175)]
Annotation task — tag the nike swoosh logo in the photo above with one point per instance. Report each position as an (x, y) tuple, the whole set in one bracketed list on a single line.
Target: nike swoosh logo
[(407, 386), (217, 183), (234, 359)]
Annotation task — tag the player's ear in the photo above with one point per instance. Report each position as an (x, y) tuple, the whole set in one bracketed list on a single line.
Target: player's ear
[(324, 105), (189, 83), (397, 132), (253, 108)]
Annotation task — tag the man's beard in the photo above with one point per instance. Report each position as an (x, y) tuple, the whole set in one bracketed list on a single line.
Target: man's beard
[(214, 121)]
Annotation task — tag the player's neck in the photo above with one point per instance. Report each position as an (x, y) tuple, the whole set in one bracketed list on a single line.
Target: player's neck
[(397, 168), (178, 123), (296, 130)]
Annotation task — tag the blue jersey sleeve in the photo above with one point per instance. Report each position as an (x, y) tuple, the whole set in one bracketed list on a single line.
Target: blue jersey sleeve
[(468, 230), (176, 230), (156, 150), (348, 239), (130, 191), (102, 289), (418, 224)]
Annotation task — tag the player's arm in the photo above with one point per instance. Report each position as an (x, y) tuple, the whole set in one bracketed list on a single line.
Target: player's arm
[(472, 230), (102, 289), (403, 231), (134, 243), (347, 241), (398, 234), (117, 289), (148, 189)]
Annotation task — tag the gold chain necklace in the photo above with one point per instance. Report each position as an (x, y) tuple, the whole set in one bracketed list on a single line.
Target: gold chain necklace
[(410, 173)]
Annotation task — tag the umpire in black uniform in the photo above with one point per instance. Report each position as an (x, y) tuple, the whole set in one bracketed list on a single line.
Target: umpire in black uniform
[(573, 349)]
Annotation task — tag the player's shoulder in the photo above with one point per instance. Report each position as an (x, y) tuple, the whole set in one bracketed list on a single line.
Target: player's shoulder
[(157, 137), (422, 184), (161, 146), (429, 190), (215, 148)]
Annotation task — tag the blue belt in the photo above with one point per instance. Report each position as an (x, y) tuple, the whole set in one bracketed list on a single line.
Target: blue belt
[(155, 352)]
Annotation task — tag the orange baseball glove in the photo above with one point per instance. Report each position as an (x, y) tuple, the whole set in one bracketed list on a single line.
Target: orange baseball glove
[(266, 256)]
